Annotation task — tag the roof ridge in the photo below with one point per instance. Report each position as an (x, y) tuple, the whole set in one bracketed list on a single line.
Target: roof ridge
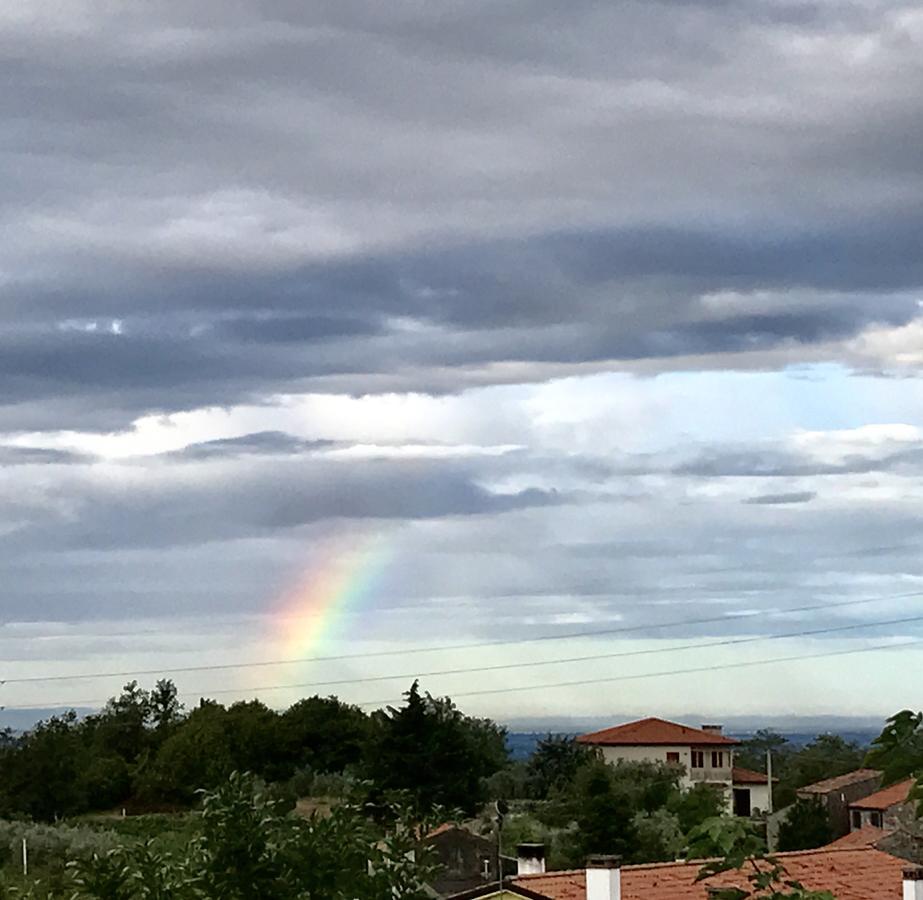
[(635, 867)]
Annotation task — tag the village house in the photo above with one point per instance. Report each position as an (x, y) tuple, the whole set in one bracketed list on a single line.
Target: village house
[(836, 795), (863, 873), (706, 755), (882, 809)]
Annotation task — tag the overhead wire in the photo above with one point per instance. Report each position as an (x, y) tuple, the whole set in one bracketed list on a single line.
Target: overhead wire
[(532, 664), (445, 648)]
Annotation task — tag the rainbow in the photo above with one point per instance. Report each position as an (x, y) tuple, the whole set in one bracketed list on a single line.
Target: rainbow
[(310, 616)]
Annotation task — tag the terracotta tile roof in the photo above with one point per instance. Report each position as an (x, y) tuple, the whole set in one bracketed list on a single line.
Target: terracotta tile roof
[(850, 874), (866, 836), (886, 797), (839, 782), (646, 732), (739, 775)]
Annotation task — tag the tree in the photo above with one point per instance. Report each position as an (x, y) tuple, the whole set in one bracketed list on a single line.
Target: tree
[(738, 849), (752, 752), (702, 801), (40, 775), (554, 763), (250, 850), (898, 752), (658, 836), (827, 756), (806, 826), (323, 734), (605, 813), (434, 753)]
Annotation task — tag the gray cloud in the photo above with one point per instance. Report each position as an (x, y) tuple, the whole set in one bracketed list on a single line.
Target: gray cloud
[(258, 216), (785, 499), (207, 204)]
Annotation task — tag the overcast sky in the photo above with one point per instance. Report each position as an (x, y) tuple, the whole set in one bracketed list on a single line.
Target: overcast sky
[(358, 328)]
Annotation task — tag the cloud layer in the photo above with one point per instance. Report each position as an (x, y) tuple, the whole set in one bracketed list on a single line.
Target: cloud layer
[(592, 312)]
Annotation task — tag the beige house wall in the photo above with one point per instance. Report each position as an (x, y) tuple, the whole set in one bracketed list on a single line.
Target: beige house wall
[(719, 776)]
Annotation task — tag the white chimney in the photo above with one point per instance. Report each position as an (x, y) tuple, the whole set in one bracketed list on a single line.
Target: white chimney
[(913, 883), (712, 729), (604, 878), (530, 859)]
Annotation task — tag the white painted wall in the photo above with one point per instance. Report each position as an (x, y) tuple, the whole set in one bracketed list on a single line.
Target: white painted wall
[(692, 776)]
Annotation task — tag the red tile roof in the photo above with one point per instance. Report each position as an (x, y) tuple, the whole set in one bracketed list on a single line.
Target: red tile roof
[(839, 782), (740, 775), (850, 874), (886, 797), (647, 732), (866, 836)]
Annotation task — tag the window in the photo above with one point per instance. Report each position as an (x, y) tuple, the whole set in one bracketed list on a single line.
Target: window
[(698, 759), (717, 759), (875, 819), (856, 819), (673, 758)]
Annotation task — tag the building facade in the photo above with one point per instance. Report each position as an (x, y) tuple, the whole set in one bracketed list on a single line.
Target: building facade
[(706, 755)]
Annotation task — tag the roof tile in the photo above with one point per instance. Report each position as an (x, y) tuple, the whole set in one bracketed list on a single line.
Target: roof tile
[(652, 731), (850, 874), (886, 797)]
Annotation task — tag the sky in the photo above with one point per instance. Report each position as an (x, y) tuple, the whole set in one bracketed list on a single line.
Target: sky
[(564, 355)]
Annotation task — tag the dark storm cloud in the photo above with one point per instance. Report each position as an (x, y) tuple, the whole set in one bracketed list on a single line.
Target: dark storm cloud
[(534, 183), (189, 506)]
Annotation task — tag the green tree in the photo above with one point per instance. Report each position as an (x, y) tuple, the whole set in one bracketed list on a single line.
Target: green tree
[(606, 809), (827, 756), (250, 850), (554, 763), (323, 734), (692, 807), (40, 776), (199, 754), (806, 826), (898, 752), (658, 836), (428, 749), (751, 754)]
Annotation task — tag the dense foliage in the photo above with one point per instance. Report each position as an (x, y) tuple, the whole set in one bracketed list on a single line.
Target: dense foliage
[(247, 847), (898, 752), (806, 826), (827, 756), (144, 752)]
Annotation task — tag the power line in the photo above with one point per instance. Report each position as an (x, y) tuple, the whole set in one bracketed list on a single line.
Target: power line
[(573, 635), (533, 664), (712, 668)]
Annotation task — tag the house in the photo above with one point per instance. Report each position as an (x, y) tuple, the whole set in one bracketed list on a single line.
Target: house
[(836, 794), (705, 753), (850, 874), (881, 809), (465, 859)]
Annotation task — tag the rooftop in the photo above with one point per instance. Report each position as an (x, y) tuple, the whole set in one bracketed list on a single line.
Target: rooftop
[(839, 782), (850, 874), (647, 732), (886, 797), (866, 836), (740, 775)]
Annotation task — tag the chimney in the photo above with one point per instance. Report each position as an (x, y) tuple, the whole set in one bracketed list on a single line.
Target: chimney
[(530, 859), (913, 883), (712, 729), (604, 878)]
